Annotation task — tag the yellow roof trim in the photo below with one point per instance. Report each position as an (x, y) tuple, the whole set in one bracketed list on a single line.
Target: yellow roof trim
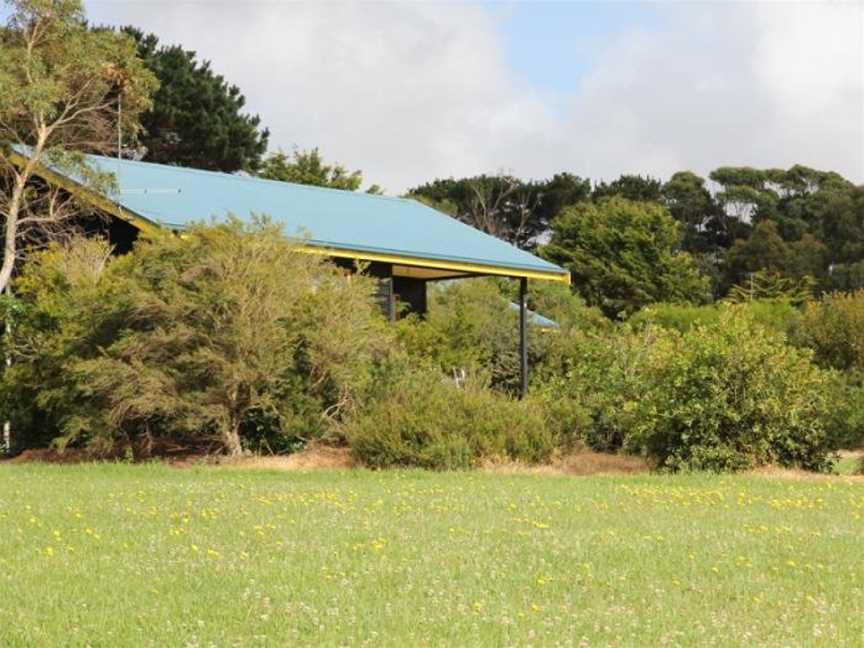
[(457, 266), (148, 226)]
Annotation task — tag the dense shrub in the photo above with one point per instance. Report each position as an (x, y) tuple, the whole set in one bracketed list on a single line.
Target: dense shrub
[(469, 326), (231, 338), (559, 303), (726, 395), (776, 316), (834, 328), (228, 336), (428, 421), (730, 395), (594, 387), (472, 325), (846, 423)]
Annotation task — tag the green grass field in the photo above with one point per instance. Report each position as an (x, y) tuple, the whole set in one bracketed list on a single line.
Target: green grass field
[(112, 555)]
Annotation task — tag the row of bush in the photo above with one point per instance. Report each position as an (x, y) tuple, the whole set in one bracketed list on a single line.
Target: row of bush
[(231, 338), (724, 396), (224, 338)]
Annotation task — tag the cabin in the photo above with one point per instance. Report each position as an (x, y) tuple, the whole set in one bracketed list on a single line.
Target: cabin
[(401, 242)]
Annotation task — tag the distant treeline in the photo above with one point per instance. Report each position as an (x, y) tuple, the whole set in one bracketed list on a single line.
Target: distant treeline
[(799, 222)]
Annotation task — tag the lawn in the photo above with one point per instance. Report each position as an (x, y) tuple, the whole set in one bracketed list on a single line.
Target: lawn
[(114, 555)]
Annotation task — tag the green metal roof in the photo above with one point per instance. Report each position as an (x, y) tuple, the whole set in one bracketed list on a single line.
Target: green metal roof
[(176, 197)]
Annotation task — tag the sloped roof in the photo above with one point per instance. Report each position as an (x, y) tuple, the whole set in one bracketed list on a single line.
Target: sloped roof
[(536, 318), (346, 223)]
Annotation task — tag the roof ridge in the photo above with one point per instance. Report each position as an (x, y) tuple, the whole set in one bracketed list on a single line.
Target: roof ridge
[(249, 178)]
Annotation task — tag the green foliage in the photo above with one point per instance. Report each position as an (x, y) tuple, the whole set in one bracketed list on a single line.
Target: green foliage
[(307, 167), (595, 386), (725, 394), (631, 187), (60, 88), (692, 205), (806, 221), (798, 222), (514, 210), (763, 250), (846, 426), (557, 302), (806, 258), (846, 277), (62, 315), (778, 316), (623, 255), (834, 328), (769, 286), (217, 338), (746, 177), (59, 81), (428, 421), (197, 118), (472, 325), (730, 396), (765, 253)]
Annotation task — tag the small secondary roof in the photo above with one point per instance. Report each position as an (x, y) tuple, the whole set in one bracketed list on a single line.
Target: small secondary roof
[(340, 223), (536, 318)]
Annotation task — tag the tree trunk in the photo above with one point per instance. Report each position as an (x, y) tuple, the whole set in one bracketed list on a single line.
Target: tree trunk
[(10, 235), (231, 439), (7, 424), (13, 213)]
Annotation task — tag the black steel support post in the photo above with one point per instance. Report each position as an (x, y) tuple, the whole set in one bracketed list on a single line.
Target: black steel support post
[(523, 334)]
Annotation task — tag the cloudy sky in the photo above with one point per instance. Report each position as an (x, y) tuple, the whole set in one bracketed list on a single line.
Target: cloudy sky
[(409, 91)]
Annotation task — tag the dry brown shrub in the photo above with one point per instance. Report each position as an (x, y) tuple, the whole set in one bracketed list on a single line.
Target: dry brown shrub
[(579, 463), (50, 455), (314, 457)]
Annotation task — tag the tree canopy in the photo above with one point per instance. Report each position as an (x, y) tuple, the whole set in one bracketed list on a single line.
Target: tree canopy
[(515, 210), (309, 168), (203, 340), (197, 118), (61, 86), (631, 187), (624, 254), (798, 222)]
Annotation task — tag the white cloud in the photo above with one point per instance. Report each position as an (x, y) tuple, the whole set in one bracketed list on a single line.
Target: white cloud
[(408, 92), (758, 84)]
